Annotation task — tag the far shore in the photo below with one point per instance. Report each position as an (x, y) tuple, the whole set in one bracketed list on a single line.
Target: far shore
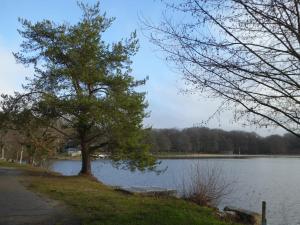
[(221, 156), (195, 156)]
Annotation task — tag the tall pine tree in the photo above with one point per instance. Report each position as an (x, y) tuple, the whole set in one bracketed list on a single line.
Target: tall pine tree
[(84, 84)]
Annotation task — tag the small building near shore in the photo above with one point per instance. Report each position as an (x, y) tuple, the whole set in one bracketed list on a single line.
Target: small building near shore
[(73, 151), (99, 155)]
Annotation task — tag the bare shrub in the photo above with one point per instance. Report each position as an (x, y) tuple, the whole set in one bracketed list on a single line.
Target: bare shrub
[(206, 186)]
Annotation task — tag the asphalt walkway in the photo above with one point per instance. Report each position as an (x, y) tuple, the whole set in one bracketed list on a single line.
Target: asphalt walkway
[(19, 206)]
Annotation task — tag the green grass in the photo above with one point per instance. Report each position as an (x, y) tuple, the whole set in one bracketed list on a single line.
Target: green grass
[(16, 165), (95, 203)]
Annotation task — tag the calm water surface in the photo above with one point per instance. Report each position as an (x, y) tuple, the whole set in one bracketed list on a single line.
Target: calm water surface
[(275, 180)]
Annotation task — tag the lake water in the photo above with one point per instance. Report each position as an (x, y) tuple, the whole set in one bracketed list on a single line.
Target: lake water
[(274, 180)]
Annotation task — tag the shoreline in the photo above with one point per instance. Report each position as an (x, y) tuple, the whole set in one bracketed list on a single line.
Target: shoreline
[(111, 206), (222, 156), (195, 156)]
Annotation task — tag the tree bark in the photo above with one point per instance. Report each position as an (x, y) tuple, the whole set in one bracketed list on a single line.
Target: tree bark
[(21, 156), (86, 161), (2, 157), (17, 156)]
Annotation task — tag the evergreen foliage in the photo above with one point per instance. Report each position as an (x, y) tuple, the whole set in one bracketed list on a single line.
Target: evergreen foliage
[(83, 88)]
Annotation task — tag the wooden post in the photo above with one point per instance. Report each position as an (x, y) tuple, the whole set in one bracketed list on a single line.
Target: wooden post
[(263, 214)]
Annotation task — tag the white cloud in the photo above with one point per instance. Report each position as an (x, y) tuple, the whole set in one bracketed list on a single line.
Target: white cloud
[(172, 109), (168, 107), (12, 75)]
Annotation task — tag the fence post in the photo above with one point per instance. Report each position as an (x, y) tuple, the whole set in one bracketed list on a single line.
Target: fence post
[(263, 214)]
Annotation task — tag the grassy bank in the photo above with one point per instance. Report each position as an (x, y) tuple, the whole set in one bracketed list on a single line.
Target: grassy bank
[(95, 203)]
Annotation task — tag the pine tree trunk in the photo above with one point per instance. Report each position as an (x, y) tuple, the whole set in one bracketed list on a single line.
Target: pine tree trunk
[(86, 161)]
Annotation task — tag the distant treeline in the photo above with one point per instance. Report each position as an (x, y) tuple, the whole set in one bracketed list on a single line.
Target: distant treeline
[(205, 140)]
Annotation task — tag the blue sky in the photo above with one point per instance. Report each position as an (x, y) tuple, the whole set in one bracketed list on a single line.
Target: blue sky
[(168, 107)]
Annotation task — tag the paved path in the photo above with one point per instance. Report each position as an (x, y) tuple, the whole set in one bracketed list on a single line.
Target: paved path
[(18, 206)]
